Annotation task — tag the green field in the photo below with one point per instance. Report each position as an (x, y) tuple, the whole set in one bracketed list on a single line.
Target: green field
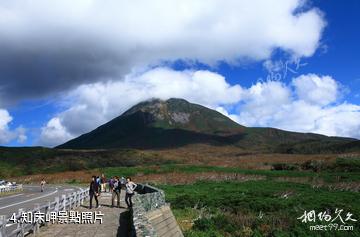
[(257, 208), (268, 207)]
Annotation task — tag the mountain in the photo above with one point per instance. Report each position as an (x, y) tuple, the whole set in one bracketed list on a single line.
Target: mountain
[(157, 124)]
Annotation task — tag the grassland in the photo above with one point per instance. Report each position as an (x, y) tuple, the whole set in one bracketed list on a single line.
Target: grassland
[(232, 201), (327, 175), (256, 208), (342, 170)]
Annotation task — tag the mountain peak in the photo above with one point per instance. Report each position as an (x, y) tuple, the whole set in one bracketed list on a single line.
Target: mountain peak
[(166, 113), (173, 120), (155, 105)]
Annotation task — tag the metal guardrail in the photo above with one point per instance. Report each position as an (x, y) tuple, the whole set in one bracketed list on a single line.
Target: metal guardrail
[(63, 203), (11, 189)]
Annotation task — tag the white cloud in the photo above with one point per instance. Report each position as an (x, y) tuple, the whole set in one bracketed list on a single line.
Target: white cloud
[(7, 135), (266, 104), (54, 133), (341, 120), (261, 101), (5, 118), (311, 103), (83, 41), (315, 89)]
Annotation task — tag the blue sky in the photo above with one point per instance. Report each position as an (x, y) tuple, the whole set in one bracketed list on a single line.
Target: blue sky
[(51, 100)]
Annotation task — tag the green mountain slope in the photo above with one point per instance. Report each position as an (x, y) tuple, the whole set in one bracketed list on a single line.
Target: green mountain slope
[(175, 122)]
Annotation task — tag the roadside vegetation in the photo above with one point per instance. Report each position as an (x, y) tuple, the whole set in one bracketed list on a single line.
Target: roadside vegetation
[(257, 208)]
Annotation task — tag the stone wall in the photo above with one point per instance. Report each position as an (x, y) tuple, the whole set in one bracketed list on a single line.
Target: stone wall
[(146, 201)]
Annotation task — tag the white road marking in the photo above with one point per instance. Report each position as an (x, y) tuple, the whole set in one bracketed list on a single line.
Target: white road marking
[(11, 196), (68, 189), (14, 204), (7, 225)]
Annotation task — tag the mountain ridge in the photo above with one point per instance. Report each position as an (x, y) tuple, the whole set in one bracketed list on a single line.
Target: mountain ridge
[(176, 122)]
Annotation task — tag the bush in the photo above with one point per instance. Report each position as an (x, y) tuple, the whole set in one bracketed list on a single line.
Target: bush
[(346, 165), (284, 166), (314, 165), (340, 165), (183, 201), (204, 224)]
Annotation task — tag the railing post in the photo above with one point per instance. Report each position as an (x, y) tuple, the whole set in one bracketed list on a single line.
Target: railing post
[(82, 197), (77, 203), (47, 213), (36, 222), (64, 202), (2, 226), (76, 198), (79, 198), (70, 200), (21, 224), (57, 203)]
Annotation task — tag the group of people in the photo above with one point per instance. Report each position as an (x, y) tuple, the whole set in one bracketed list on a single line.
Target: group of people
[(115, 185)]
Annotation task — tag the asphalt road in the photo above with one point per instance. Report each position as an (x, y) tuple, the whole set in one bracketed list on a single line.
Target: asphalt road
[(31, 196)]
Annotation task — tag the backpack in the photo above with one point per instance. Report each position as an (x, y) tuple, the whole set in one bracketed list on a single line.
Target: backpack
[(123, 182), (116, 186)]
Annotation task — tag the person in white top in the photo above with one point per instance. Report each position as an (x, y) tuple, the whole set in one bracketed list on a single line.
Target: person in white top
[(130, 187), (42, 185)]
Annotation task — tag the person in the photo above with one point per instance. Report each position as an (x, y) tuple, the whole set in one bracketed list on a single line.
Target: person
[(111, 184), (116, 192), (42, 184), (123, 182), (130, 187), (94, 191), (103, 183)]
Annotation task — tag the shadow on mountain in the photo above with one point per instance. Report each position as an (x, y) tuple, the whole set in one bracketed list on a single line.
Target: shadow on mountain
[(151, 138), (138, 130)]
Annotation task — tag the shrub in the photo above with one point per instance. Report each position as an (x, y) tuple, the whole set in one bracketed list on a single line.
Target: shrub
[(284, 166), (346, 164), (314, 165), (204, 224), (183, 201)]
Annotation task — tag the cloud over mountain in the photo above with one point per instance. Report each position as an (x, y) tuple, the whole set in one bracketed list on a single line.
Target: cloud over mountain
[(269, 104)]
